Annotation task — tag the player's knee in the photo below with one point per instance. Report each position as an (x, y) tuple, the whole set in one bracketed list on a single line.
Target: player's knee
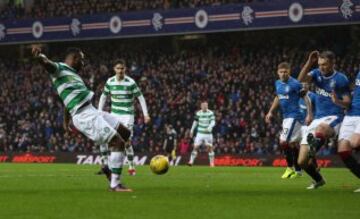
[(355, 141), (343, 145)]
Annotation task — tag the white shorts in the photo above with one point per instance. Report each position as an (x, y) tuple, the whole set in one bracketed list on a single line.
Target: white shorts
[(349, 126), (126, 120), (97, 125), (333, 121), (291, 130), (206, 139)]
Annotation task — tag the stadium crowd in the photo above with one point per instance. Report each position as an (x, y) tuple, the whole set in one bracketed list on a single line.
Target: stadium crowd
[(54, 8), (238, 83)]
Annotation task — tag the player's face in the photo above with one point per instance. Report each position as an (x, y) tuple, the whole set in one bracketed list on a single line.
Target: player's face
[(78, 61), (204, 106), (325, 66), (120, 70), (284, 74)]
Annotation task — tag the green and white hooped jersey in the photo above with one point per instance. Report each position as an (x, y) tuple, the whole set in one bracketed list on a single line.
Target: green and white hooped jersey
[(122, 95), (204, 119), (70, 87)]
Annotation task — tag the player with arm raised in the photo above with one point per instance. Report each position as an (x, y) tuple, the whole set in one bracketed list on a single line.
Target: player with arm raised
[(98, 126), (123, 90), (332, 89), (289, 91), (204, 123)]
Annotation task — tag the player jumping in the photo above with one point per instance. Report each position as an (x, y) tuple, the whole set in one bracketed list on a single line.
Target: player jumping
[(289, 91), (332, 89), (204, 123), (122, 89), (101, 127)]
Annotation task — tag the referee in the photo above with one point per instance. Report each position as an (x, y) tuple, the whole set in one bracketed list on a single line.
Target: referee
[(170, 143)]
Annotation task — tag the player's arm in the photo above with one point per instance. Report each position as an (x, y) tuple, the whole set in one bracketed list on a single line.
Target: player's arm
[(273, 107), (312, 59), (194, 125), (66, 120), (103, 98), (212, 123), (142, 102), (344, 102), (49, 65), (164, 146), (309, 114)]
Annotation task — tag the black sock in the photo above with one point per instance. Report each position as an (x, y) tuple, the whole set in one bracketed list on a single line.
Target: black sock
[(289, 157), (350, 162), (312, 171), (295, 158)]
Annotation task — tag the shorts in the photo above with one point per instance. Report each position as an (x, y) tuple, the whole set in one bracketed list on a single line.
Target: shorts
[(333, 121), (127, 121), (206, 139), (291, 130), (169, 148), (98, 126), (349, 126)]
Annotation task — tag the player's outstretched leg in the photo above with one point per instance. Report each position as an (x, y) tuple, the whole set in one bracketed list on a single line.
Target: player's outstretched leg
[(345, 153), (130, 157), (310, 168)]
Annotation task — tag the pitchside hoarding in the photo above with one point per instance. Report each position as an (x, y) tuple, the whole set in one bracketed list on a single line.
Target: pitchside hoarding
[(232, 17), (144, 159)]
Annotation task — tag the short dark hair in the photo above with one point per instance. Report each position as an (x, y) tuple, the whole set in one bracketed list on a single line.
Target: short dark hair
[(72, 50), (285, 65), (119, 61), (327, 55)]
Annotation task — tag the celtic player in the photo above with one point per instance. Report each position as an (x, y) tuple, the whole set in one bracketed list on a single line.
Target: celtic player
[(100, 127), (204, 123), (122, 89)]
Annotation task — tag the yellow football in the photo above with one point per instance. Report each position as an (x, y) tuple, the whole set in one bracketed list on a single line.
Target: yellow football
[(159, 164)]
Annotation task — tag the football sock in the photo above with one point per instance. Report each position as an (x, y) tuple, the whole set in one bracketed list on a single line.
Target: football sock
[(289, 156), (104, 153), (115, 162), (350, 162), (193, 156), (312, 171), (130, 156), (211, 157), (295, 151)]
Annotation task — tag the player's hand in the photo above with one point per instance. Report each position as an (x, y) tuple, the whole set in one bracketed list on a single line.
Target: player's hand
[(313, 57), (268, 117), (147, 119), (334, 97), (308, 119), (35, 50)]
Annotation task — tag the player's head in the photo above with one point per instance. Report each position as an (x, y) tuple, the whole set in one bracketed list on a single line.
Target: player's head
[(283, 71), (204, 105), (75, 58), (326, 62), (119, 66)]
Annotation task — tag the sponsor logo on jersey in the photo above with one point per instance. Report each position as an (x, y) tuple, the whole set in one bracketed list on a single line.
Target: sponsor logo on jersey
[(322, 92), (282, 97)]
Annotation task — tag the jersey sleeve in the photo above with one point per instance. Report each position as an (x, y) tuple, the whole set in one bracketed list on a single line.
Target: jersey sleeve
[(106, 90), (212, 118), (196, 118), (136, 90), (57, 68)]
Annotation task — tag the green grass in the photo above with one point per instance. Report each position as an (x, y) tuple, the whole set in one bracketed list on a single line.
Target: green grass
[(72, 191)]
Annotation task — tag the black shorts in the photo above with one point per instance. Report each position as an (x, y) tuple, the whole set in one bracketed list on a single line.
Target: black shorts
[(169, 149)]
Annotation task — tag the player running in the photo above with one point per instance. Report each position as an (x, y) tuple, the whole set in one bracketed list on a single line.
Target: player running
[(349, 137), (289, 92), (204, 123), (122, 90), (332, 89), (101, 127)]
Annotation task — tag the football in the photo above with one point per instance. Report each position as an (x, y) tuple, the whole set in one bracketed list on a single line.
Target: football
[(159, 164)]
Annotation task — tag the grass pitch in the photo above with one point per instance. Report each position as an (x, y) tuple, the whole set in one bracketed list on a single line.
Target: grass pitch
[(71, 191)]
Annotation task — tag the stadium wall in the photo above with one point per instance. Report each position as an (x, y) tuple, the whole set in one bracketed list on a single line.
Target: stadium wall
[(144, 159), (232, 17)]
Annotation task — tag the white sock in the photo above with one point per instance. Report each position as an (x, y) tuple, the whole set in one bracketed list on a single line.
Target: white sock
[(211, 157), (104, 154), (130, 156), (193, 156), (115, 163)]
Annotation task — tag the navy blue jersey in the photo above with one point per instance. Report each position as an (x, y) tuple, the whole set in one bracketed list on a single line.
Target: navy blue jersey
[(355, 103), (289, 94), (303, 108), (337, 82)]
